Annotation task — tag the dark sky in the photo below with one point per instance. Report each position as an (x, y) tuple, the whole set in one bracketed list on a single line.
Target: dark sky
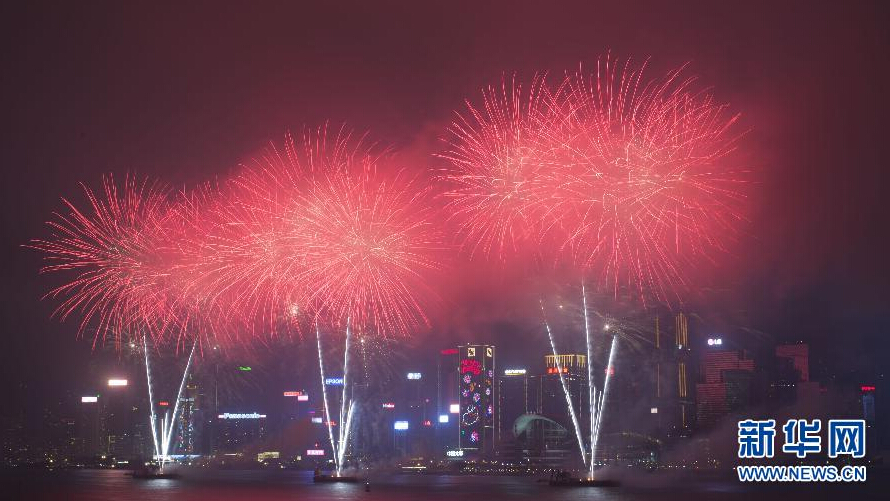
[(185, 92)]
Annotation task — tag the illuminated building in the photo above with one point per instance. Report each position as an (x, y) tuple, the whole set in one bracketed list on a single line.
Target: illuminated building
[(90, 427), (513, 401), (548, 397), (868, 414), (799, 356), (190, 421), (727, 384), (238, 430), (447, 399), (672, 379), (477, 400)]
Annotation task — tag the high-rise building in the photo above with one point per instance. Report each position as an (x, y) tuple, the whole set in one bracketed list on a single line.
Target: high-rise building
[(727, 383), (549, 397), (673, 407), (477, 399), (239, 430), (799, 355), (90, 427), (868, 414), (448, 400), (513, 401), (189, 421)]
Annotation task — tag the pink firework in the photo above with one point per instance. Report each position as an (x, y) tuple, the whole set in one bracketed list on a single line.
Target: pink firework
[(646, 172), (367, 241), (112, 250), (627, 177), (498, 154)]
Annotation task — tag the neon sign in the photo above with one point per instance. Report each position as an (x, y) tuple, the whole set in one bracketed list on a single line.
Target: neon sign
[(333, 381), (89, 399), (117, 382), (315, 452), (231, 415), (389, 405), (414, 375), (293, 393), (449, 351), (455, 454), (514, 372), (472, 366)]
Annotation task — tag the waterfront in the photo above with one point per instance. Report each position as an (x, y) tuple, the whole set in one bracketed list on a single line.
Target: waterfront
[(231, 485)]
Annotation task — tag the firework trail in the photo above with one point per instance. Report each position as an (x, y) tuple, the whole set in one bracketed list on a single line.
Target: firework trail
[(600, 404), (565, 389), (591, 388), (324, 395)]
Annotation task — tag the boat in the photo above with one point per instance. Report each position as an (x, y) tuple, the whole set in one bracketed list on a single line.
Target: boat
[(563, 479), (319, 478), (153, 473)]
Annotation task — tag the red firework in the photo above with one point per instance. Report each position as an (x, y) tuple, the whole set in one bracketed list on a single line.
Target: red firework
[(496, 190), (366, 240), (112, 249), (628, 177)]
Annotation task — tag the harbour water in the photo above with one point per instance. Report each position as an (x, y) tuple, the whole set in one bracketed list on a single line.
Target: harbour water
[(242, 485)]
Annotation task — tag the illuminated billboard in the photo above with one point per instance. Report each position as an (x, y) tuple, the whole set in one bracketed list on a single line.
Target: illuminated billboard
[(317, 420), (117, 382), (302, 398), (234, 415), (89, 399), (454, 408), (443, 418), (389, 405), (476, 410), (414, 375), (293, 393), (333, 381), (315, 452), (400, 425), (514, 372)]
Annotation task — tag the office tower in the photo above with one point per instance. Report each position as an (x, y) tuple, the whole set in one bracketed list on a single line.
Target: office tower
[(549, 397), (477, 399), (90, 426), (448, 400), (728, 376), (799, 356), (513, 401)]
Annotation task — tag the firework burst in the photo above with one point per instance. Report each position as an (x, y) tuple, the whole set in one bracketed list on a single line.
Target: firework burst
[(112, 249), (629, 178)]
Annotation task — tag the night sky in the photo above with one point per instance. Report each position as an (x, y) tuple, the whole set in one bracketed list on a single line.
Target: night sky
[(185, 92)]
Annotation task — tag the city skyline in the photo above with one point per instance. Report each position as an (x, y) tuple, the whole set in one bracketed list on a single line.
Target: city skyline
[(597, 244)]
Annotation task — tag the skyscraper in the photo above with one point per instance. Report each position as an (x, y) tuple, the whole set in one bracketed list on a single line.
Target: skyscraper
[(477, 399), (548, 394), (727, 382), (513, 401), (447, 400)]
